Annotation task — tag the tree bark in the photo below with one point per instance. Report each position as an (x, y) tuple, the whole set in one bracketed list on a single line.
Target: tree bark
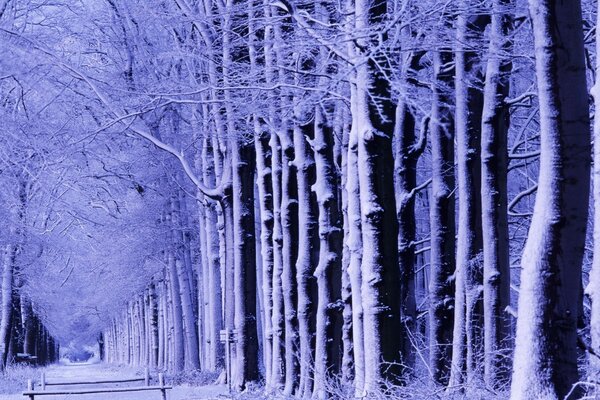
[(467, 347), (593, 287), (243, 164), (545, 360), (380, 275), (494, 172), (442, 221), (6, 304), (192, 359), (329, 269), (289, 224)]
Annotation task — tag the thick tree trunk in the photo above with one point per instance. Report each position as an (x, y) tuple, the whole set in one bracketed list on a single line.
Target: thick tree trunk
[(342, 128), (407, 150), (380, 275), (265, 193), (176, 314), (278, 319), (289, 222), (442, 220), (6, 304), (545, 360), (214, 294), (192, 359), (289, 226), (307, 245), (494, 171), (467, 346), (329, 269), (593, 287), (264, 182), (243, 164), (354, 237)]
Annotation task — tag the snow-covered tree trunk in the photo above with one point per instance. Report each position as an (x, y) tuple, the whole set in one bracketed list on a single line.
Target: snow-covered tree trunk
[(467, 345), (494, 171), (593, 287), (6, 303), (188, 246), (192, 359), (176, 313), (213, 278), (289, 224), (29, 325), (353, 239), (162, 337), (154, 325), (265, 194), (406, 155), (380, 274), (550, 295), (172, 349), (228, 271), (305, 263), (341, 130), (329, 269), (243, 165), (264, 182), (442, 221), (203, 301), (278, 317), (164, 356), (275, 378)]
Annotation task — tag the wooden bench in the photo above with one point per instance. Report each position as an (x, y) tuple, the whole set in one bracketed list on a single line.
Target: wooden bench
[(31, 392)]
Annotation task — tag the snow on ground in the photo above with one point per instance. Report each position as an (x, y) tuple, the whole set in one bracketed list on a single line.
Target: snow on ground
[(86, 372)]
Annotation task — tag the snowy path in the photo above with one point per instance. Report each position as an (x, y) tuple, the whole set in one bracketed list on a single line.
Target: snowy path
[(83, 372)]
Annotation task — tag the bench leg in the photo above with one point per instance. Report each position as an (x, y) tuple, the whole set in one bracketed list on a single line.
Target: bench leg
[(164, 394), (30, 388)]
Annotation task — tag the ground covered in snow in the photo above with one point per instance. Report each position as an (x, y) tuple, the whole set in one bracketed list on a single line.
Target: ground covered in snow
[(15, 381)]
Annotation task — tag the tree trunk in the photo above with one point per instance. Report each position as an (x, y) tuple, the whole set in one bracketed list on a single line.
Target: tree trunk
[(329, 269), (342, 128), (494, 171), (354, 238), (306, 244), (214, 294), (264, 182), (467, 347), (380, 275), (176, 309), (192, 358), (593, 287), (243, 164), (289, 224), (545, 361), (442, 221), (6, 304)]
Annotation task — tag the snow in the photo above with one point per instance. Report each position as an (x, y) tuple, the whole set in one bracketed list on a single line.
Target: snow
[(83, 372)]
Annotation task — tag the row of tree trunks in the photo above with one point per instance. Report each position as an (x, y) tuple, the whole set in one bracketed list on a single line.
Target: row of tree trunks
[(335, 278), (21, 331)]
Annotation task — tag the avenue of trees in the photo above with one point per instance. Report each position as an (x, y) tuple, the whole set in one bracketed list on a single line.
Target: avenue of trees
[(331, 198)]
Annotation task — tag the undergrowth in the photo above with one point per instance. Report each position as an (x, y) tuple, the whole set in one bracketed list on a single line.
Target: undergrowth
[(14, 378)]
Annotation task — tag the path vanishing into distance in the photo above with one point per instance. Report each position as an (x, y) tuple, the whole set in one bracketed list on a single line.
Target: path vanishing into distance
[(98, 371)]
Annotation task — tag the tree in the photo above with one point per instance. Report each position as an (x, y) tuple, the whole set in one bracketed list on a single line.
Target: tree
[(545, 362)]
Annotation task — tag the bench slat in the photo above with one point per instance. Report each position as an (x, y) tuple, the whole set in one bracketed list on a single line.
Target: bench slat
[(93, 391), (93, 382)]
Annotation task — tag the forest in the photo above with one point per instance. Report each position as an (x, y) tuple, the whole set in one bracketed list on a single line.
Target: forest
[(326, 199)]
